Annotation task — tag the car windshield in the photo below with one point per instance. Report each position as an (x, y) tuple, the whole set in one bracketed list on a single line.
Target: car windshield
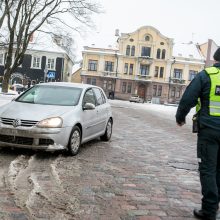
[(51, 95)]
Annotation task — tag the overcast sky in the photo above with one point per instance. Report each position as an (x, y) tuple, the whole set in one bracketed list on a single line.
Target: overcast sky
[(182, 20)]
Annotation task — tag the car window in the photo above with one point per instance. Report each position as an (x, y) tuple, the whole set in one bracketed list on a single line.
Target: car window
[(89, 97), (99, 96), (51, 95)]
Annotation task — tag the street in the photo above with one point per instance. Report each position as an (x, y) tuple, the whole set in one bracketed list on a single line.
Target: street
[(148, 171)]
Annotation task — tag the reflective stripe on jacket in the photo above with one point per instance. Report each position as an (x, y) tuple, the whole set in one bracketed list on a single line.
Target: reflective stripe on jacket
[(214, 95)]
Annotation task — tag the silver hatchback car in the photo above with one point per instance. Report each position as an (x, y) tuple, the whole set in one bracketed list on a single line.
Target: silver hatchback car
[(56, 116)]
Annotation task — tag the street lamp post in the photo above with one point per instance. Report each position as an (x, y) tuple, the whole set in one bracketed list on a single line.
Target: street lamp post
[(170, 78)]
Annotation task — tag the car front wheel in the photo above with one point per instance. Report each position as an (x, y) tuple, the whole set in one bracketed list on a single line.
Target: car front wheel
[(108, 131), (75, 141)]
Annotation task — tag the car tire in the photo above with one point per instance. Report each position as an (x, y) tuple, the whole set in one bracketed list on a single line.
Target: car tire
[(108, 131), (74, 141)]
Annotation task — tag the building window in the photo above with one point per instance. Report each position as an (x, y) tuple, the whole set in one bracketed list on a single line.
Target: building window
[(158, 53), (178, 93), (105, 84), (161, 72), (129, 88), (109, 85), (156, 71), (163, 54), (50, 64), (154, 90), (124, 85), (91, 81), (126, 68), (145, 51), (131, 69), (109, 66), (173, 92), (128, 50), (92, 65), (177, 73), (159, 92), (192, 74), (36, 62), (88, 81), (144, 70), (1, 59), (132, 50)]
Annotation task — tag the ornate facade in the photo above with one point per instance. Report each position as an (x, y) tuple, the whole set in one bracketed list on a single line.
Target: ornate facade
[(144, 63)]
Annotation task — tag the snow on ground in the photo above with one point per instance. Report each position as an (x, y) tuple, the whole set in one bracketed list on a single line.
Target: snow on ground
[(166, 111), (6, 98)]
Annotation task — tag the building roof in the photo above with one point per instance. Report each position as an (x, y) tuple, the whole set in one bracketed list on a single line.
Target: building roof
[(187, 50), (76, 67), (44, 42)]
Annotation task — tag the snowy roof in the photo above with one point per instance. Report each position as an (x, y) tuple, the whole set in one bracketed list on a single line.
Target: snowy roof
[(187, 50), (76, 67), (44, 42)]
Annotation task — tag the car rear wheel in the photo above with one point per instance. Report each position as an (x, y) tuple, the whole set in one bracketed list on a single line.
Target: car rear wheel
[(75, 141), (108, 131)]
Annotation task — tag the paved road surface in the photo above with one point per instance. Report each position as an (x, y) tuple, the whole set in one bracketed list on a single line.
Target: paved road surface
[(148, 171)]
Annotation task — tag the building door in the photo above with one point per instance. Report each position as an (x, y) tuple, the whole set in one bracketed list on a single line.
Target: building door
[(141, 90)]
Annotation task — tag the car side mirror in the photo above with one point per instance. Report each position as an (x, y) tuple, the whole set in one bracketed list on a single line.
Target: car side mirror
[(88, 106)]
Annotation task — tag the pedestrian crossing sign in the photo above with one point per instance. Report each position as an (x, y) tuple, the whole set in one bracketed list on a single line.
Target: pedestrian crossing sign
[(51, 74)]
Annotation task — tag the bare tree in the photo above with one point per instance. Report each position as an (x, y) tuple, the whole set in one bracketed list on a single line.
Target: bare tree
[(21, 18)]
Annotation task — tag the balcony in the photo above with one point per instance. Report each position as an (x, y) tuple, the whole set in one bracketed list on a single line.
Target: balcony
[(177, 80), (142, 77), (109, 74), (145, 60)]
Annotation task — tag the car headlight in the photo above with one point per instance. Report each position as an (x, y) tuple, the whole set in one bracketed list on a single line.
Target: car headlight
[(55, 122)]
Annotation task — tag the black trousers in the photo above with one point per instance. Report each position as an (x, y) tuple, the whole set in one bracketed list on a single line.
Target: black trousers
[(208, 153)]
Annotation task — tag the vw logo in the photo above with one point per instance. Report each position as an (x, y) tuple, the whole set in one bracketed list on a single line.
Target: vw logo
[(16, 123)]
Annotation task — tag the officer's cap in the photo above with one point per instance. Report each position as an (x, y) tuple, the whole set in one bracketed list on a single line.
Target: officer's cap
[(217, 55)]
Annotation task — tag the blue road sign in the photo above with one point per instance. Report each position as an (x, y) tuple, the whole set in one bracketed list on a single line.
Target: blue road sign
[(51, 74)]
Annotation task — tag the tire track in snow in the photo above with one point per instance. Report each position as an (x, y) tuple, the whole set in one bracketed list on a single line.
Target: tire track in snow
[(36, 185)]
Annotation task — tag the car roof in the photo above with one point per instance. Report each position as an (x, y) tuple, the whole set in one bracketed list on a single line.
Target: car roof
[(68, 84)]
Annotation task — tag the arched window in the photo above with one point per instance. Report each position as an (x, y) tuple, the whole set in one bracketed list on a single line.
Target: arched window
[(158, 53), (147, 38), (128, 50), (132, 50), (163, 54)]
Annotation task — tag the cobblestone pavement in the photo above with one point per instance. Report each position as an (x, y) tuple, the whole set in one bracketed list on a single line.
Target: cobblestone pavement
[(148, 171)]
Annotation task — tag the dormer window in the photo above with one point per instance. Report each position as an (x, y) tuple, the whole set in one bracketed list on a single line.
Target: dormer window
[(147, 38)]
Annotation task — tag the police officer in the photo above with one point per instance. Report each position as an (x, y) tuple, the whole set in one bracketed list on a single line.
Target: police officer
[(206, 88)]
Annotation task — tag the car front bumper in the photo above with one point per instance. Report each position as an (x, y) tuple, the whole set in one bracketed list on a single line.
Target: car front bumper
[(47, 139)]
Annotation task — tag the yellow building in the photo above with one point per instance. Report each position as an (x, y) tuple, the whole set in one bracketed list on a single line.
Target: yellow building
[(144, 63)]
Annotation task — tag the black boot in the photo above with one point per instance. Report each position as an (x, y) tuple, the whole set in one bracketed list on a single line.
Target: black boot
[(201, 215)]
